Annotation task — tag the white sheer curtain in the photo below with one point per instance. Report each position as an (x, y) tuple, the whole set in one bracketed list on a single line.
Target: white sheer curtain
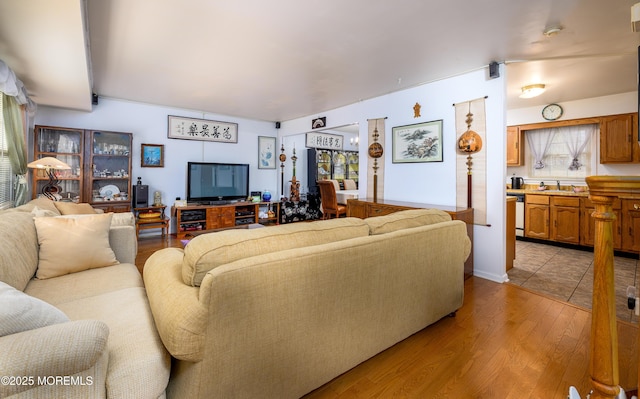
[(539, 141), (577, 138)]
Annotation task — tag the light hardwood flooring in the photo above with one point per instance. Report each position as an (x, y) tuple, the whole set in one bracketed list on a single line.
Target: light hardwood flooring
[(505, 342)]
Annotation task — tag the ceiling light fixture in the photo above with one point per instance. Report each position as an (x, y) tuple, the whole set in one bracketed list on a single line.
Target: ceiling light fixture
[(530, 91), (635, 17), (552, 31)]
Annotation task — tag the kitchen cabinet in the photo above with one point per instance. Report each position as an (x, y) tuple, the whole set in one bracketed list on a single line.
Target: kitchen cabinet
[(619, 139), (631, 225), (536, 223), (100, 164), (554, 218), (565, 219), (587, 223), (515, 150)]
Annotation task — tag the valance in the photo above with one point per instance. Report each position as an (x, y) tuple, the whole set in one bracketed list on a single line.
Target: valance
[(13, 87)]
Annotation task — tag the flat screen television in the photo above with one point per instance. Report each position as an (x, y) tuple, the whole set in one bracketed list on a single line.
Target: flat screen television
[(209, 182)]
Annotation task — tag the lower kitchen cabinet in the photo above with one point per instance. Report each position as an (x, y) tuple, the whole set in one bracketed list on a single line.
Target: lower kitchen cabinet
[(588, 224), (631, 225), (565, 219), (536, 212)]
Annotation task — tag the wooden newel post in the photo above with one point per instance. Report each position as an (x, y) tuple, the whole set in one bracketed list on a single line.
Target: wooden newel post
[(604, 336)]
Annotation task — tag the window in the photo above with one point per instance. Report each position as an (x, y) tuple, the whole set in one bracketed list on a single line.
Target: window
[(6, 175), (567, 154)]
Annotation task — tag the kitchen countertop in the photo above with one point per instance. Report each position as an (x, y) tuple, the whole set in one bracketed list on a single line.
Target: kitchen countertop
[(568, 193)]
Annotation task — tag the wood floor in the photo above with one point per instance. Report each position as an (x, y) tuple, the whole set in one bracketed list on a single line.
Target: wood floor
[(505, 342)]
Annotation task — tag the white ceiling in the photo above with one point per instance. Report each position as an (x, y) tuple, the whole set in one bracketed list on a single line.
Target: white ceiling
[(284, 59)]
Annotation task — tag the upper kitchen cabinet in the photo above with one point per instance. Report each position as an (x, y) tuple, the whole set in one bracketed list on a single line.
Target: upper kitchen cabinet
[(515, 152), (618, 139)]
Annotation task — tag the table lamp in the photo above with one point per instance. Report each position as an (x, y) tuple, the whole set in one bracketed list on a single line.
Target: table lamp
[(49, 164)]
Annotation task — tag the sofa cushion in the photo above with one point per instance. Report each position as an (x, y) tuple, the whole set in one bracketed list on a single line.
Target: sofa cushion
[(18, 248), (405, 219), (71, 208), (21, 312), (209, 251), (69, 245), (40, 212), (41, 203)]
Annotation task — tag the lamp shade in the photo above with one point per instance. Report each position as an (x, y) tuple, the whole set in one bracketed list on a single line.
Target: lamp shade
[(48, 163)]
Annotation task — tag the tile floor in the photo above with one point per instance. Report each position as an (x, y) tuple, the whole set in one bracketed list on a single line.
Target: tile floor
[(567, 274)]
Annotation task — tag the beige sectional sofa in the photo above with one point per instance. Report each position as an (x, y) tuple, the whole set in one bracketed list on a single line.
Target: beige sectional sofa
[(279, 311), (75, 321)]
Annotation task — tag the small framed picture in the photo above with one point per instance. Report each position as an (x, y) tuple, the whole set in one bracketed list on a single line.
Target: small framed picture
[(421, 142), (152, 156), (266, 152)]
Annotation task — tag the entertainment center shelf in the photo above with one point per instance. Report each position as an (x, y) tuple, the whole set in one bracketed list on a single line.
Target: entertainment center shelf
[(207, 217)]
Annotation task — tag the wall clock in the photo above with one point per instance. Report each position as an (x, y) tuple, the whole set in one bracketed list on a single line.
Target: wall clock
[(552, 112)]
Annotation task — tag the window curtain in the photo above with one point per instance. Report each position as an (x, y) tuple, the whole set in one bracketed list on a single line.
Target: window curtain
[(539, 141), (16, 146), (14, 97), (577, 138)]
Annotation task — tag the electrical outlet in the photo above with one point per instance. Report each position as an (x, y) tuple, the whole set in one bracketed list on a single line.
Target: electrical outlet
[(631, 298)]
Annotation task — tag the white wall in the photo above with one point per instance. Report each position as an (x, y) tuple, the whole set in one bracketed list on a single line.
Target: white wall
[(148, 123), (435, 183), (598, 106)]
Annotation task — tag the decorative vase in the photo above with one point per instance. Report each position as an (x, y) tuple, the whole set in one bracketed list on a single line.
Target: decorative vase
[(266, 196)]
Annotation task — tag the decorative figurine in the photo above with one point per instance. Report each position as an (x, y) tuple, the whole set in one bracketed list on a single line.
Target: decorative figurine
[(416, 110)]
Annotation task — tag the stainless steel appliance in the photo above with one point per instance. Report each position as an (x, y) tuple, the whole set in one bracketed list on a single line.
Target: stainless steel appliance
[(519, 214)]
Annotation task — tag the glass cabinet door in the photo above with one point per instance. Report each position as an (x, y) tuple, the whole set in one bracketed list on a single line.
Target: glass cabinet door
[(110, 167), (339, 165), (352, 166), (67, 146), (324, 165)]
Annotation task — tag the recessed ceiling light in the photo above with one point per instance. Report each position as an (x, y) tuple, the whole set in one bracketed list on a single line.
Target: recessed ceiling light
[(530, 91), (552, 31)]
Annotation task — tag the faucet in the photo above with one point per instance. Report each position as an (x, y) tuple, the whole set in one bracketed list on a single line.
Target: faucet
[(558, 183)]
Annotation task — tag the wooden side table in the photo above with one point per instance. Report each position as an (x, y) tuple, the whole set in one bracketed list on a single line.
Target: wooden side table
[(157, 222)]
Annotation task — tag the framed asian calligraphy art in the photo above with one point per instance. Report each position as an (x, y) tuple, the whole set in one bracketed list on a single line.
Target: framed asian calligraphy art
[(266, 152), (202, 129), (421, 142), (326, 141)]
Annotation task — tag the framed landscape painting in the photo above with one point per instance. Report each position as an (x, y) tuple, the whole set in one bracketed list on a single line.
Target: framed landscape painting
[(420, 142)]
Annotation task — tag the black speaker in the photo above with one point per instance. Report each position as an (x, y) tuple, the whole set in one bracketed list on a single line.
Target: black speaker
[(277, 125), (140, 196), (94, 99), (494, 70)]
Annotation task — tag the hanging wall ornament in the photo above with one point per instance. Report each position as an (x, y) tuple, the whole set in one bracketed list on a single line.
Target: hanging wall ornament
[(375, 152)]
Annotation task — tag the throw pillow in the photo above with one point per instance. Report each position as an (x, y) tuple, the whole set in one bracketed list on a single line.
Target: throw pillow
[(21, 312), (39, 212), (69, 245), (71, 208)]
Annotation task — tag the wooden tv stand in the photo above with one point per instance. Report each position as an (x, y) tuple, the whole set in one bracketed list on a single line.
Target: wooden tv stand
[(366, 207), (207, 217)]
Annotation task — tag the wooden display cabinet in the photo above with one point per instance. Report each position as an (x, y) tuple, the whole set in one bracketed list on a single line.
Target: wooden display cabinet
[(67, 145), (194, 218), (108, 177), (100, 164)]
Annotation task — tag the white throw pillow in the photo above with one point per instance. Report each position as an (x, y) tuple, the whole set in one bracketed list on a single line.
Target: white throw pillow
[(21, 312), (69, 245)]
